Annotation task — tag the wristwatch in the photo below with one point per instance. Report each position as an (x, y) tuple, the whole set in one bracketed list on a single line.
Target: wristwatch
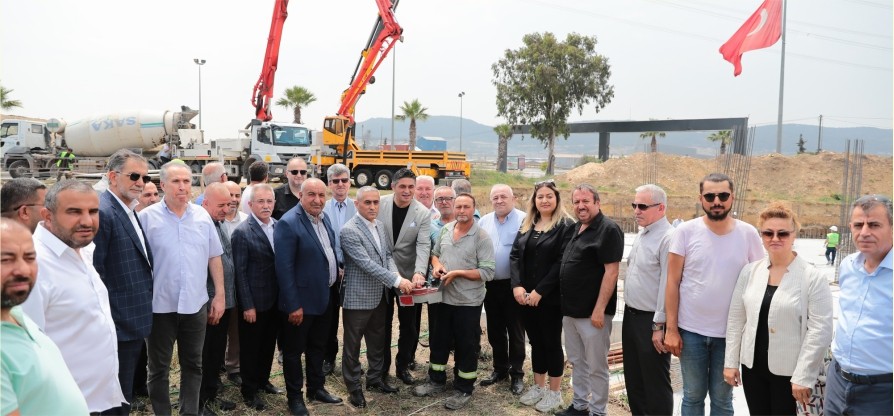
[(657, 326)]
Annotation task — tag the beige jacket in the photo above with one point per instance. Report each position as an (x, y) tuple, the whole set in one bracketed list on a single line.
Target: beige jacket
[(792, 351)]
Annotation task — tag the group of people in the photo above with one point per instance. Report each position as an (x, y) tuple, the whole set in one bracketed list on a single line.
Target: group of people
[(107, 277)]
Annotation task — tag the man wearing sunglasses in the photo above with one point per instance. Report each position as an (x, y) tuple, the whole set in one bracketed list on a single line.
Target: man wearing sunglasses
[(123, 260), (22, 199), (288, 195), (339, 209), (704, 260)]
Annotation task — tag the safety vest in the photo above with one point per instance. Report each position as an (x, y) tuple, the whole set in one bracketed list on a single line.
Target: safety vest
[(67, 157)]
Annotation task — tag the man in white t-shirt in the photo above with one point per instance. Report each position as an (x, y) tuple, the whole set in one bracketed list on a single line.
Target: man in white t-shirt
[(704, 260)]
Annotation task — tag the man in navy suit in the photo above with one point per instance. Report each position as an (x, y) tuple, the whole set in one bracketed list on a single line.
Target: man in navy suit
[(306, 270), (123, 260), (256, 291)]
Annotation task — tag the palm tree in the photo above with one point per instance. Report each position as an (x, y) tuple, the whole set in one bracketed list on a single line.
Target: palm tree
[(725, 137), (5, 102), (297, 97), (413, 111), (504, 132), (653, 134)]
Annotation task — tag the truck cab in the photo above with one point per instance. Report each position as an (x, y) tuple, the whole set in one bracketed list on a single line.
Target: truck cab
[(275, 143), (20, 136)]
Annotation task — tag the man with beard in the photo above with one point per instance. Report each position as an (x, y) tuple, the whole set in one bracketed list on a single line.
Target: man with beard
[(34, 378), (124, 262), (705, 257), (588, 284), (70, 302), (306, 270)]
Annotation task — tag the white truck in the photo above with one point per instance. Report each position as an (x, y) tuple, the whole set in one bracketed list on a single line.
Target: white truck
[(32, 147)]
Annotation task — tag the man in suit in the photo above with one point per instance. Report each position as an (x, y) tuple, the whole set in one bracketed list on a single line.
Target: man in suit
[(407, 224), (256, 291), (306, 270), (339, 209), (123, 260), (369, 273)]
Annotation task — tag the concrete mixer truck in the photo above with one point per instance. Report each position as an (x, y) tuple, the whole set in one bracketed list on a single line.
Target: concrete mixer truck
[(31, 147)]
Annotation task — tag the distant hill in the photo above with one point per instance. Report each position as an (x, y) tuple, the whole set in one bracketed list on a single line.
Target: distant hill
[(479, 139)]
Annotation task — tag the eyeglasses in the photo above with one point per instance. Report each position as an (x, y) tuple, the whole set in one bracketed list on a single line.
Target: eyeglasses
[(444, 199), (296, 172), (24, 205), (136, 176), (340, 180), (643, 207), (724, 196), (781, 234), (549, 182)]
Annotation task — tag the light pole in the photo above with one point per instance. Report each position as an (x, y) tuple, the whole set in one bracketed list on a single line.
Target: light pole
[(200, 62), (461, 94)]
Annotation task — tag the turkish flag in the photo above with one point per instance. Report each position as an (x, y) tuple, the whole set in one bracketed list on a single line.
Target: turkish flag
[(761, 30)]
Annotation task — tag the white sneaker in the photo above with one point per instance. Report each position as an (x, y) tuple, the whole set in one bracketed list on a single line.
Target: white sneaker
[(552, 400), (533, 395)]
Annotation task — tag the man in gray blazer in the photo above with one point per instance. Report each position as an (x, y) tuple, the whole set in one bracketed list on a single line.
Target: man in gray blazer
[(369, 273), (407, 224)]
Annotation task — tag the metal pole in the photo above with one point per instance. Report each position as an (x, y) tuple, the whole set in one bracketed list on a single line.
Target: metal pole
[(461, 94), (819, 139), (200, 62), (393, 83), (781, 83)]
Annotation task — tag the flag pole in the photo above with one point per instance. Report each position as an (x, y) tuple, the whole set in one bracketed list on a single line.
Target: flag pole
[(781, 83)]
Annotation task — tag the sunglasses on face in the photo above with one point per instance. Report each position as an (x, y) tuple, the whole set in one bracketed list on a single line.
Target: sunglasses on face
[(340, 180), (297, 172), (136, 176), (724, 196), (643, 207), (781, 234)]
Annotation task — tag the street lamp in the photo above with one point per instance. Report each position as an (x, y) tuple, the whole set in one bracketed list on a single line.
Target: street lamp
[(461, 120), (200, 62)]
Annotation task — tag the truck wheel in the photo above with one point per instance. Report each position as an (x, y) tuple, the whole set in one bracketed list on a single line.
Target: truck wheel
[(19, 169), (383, 179), (362, 177), (196, 173)]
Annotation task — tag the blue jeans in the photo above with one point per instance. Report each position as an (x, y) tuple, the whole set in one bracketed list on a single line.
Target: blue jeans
[(846, 398), (701, 363)]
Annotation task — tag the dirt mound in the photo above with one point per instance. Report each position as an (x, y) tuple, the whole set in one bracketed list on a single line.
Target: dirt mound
[(811, 183)]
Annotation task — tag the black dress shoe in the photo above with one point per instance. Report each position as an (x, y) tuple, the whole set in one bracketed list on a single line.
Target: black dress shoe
[(517, 385), (382, 387), (494, 378), (323, 396), (235, 378), (356, 399), (271, 389), (327, 368), (255, 403), (405, 376), (297, 408)]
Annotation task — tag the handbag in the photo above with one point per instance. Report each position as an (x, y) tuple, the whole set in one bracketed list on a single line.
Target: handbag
[(818, 392)]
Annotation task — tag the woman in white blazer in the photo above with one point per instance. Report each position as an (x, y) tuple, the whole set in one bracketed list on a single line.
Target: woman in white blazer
[(780, 321)]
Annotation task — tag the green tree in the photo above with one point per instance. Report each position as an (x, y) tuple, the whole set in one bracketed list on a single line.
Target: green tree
[(540, 84), (296, 98), (504, 133), (412, 110), (653, 135), (6, 103), (725, 137), (802, 145)]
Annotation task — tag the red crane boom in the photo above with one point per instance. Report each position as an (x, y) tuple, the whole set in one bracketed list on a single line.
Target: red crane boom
[(263, 91)]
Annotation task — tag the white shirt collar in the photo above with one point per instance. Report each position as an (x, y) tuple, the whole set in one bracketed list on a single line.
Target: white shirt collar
[(369, 224), (261, 223), (128, 208), (50, 240)]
